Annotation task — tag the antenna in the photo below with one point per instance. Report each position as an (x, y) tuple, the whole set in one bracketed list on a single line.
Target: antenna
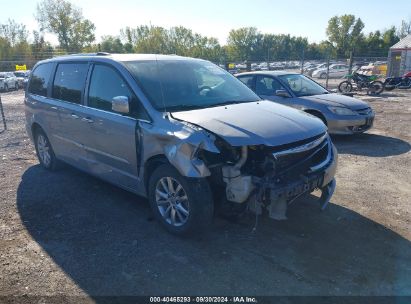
[(161, 85)]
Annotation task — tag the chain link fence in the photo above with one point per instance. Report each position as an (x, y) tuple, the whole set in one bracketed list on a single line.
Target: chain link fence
[(329, 72)]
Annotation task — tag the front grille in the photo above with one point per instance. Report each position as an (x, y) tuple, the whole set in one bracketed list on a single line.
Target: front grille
[(365, 111), (300, 163), (290, 162), (294, 144)]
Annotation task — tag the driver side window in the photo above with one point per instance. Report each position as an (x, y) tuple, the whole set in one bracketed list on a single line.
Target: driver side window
[(267, 85), (105, 84)]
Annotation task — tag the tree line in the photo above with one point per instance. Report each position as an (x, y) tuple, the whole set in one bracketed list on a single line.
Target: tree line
[(75, 34)]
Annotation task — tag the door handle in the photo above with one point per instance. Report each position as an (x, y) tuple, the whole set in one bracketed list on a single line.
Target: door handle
[(54, 108), (74, 116), (87, 119)]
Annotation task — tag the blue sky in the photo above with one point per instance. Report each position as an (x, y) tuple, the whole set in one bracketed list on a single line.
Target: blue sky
[(216, 17)]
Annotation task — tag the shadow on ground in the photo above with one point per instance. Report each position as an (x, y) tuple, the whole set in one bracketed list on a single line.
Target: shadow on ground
[(103, 239), (373, 145)]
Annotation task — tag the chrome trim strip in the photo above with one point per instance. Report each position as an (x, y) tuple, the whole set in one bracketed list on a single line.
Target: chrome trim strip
[(301, 148), (326, 161)]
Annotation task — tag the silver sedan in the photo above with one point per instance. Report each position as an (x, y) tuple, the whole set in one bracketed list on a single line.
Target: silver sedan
[(341, 114)]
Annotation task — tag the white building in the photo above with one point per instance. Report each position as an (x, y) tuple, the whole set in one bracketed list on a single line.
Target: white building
[(399, 57)]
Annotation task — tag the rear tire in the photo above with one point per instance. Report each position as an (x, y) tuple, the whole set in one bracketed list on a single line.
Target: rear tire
[(182, 205), (345, 87), (377, 87), (44, 151), (6, 87)]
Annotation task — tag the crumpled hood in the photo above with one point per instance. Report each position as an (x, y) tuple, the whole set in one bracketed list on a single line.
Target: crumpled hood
[(255, 123), (338, 100)]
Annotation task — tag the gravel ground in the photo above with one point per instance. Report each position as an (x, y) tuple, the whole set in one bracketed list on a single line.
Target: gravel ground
[(67, 233)]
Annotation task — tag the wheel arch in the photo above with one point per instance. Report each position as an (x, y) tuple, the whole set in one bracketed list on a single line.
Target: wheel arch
[(318, 114), (35, 127), (152, 164)]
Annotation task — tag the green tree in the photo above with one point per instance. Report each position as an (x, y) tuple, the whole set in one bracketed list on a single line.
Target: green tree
[(405, 29), (66, 21), (14, 32), (111, 44), (40, 48), (176, 40), (344, 32), (390, 37), (242, 42)]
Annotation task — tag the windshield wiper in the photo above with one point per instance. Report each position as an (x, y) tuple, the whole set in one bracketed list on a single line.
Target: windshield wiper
[(184, 107), (231, 102), (194, 107)]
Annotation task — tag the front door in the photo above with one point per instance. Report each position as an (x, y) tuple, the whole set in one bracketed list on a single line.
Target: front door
[(110, 141), (266, 87)]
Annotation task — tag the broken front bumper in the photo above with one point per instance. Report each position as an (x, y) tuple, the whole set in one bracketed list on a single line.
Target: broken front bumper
[(322, 178)]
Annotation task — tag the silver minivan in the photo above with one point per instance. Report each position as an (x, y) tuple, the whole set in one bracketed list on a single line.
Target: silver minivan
[(182, 132)]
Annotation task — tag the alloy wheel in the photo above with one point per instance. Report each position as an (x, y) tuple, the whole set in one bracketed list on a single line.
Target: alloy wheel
[(43, 149), (172, 201)]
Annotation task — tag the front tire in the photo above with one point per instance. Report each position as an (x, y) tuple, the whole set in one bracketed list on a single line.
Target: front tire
[(182, 205), (345, 87), (323, 76), (44, 151)]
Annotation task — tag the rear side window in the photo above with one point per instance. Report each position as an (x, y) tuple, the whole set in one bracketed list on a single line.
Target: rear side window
[(69, 81), (40, 79)]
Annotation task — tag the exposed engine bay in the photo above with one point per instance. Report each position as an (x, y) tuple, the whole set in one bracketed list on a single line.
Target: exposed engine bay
[(270, 178)]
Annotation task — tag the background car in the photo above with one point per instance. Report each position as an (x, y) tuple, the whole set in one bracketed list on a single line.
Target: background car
[(335, 71), (22, 77), (8, 81), (342, 114), (310, 69)]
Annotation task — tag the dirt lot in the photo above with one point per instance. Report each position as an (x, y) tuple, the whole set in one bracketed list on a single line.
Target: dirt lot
[(69, 233)]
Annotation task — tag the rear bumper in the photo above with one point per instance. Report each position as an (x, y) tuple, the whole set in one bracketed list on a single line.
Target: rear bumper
[(351, 124)]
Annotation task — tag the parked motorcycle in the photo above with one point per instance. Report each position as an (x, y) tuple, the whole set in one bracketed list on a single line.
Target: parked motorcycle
[(359, 81), (403, 82)]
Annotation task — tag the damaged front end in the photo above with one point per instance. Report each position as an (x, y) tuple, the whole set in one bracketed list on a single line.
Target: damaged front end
[(259, 178), (271, 178)]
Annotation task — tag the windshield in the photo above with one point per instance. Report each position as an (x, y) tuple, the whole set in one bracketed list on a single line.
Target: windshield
[(173, 85), (302, 86)]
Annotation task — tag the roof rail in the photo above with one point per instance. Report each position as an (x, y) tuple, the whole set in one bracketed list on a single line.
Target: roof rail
[(102, 54)]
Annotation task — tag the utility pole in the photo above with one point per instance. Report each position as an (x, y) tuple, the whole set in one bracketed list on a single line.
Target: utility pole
[(351, 61), (328, 69), (302, 62)]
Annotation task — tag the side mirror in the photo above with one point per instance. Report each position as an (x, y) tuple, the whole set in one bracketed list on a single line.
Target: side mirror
[(282, 93), (120, 104)]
